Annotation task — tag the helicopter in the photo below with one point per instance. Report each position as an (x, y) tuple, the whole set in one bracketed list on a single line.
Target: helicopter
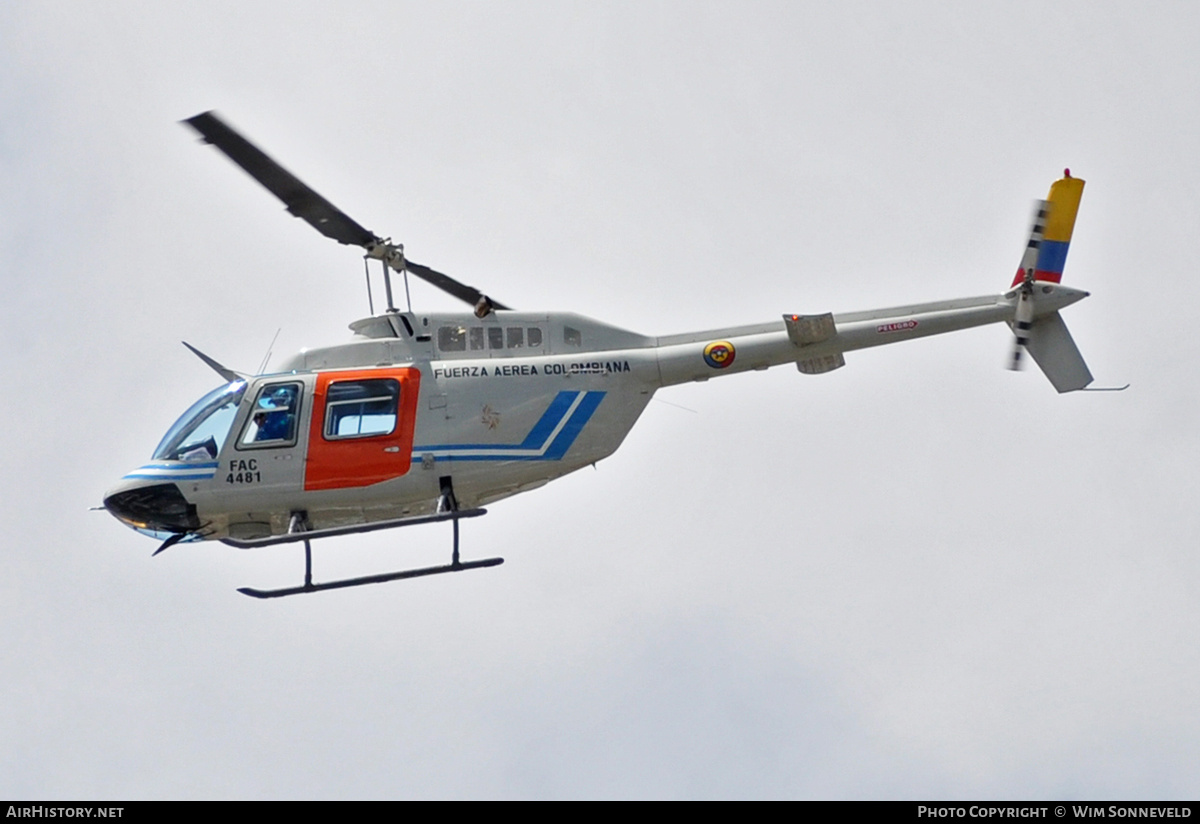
[(427, 417)]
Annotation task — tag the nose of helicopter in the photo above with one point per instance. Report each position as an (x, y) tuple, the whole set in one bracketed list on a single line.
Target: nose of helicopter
[(151, 505)]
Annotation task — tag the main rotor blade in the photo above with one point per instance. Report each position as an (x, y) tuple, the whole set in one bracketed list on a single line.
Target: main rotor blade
[(301, 200), (304, 202), (450, 286)]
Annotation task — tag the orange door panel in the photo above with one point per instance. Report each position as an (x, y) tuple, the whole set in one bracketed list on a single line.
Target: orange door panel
[(362, 427)]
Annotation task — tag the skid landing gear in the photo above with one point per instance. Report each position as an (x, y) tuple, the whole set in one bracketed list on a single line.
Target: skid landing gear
[(447, 511), (368, 579)]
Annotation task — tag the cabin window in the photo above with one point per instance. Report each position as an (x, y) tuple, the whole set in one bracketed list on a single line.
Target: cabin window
[(516, 337), (476, 337), (452, 339), (535, 337), (572, 337), (273, 417), (495, 337), (361, 409)]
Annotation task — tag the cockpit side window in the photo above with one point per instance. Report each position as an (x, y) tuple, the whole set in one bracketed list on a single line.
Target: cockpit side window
[(273, 418), (361, 409)]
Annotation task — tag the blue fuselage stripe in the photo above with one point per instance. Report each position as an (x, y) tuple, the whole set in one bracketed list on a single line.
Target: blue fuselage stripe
[(545, 425), (536, 441), (570, 432)]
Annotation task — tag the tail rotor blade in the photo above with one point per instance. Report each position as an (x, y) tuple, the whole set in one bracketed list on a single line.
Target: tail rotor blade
[(1023, 318), (1022, 323)]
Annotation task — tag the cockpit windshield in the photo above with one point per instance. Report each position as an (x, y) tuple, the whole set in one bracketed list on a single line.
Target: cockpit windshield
[(200, 432)]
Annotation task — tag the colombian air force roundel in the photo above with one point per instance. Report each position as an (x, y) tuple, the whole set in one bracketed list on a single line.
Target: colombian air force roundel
[(719, 354)]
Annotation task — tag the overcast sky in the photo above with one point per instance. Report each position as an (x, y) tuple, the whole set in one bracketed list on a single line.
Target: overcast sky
[(918, 576)]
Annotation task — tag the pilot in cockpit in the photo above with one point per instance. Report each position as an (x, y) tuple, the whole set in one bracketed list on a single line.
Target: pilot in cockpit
[(275, 418)]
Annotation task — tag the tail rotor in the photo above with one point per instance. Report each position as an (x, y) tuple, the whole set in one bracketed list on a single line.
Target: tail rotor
[(1023, 319), (1022, 324)]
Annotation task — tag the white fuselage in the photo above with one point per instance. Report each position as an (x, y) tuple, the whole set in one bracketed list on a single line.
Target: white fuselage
[(498, 406)]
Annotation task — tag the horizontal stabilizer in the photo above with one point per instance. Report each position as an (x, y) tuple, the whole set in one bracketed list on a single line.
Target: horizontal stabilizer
[(1053, 349)]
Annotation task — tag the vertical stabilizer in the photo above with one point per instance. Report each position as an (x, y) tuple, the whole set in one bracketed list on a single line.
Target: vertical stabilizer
[(1061, 207)]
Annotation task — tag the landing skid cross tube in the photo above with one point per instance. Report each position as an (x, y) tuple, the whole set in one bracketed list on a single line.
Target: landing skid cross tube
[(296, 534)]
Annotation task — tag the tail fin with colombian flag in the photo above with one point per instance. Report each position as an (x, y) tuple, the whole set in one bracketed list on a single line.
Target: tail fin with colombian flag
[(1045, 336), (1047, 254)]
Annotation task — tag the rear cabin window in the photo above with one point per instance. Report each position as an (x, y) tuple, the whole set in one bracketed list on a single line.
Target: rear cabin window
[(361, 409), (478, 338), (452, 339)]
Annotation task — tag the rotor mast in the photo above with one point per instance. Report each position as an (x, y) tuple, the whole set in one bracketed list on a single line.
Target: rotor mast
[(392, 257)]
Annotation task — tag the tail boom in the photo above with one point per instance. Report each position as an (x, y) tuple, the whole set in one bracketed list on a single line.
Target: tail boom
[(816, 343), (683, 358)]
